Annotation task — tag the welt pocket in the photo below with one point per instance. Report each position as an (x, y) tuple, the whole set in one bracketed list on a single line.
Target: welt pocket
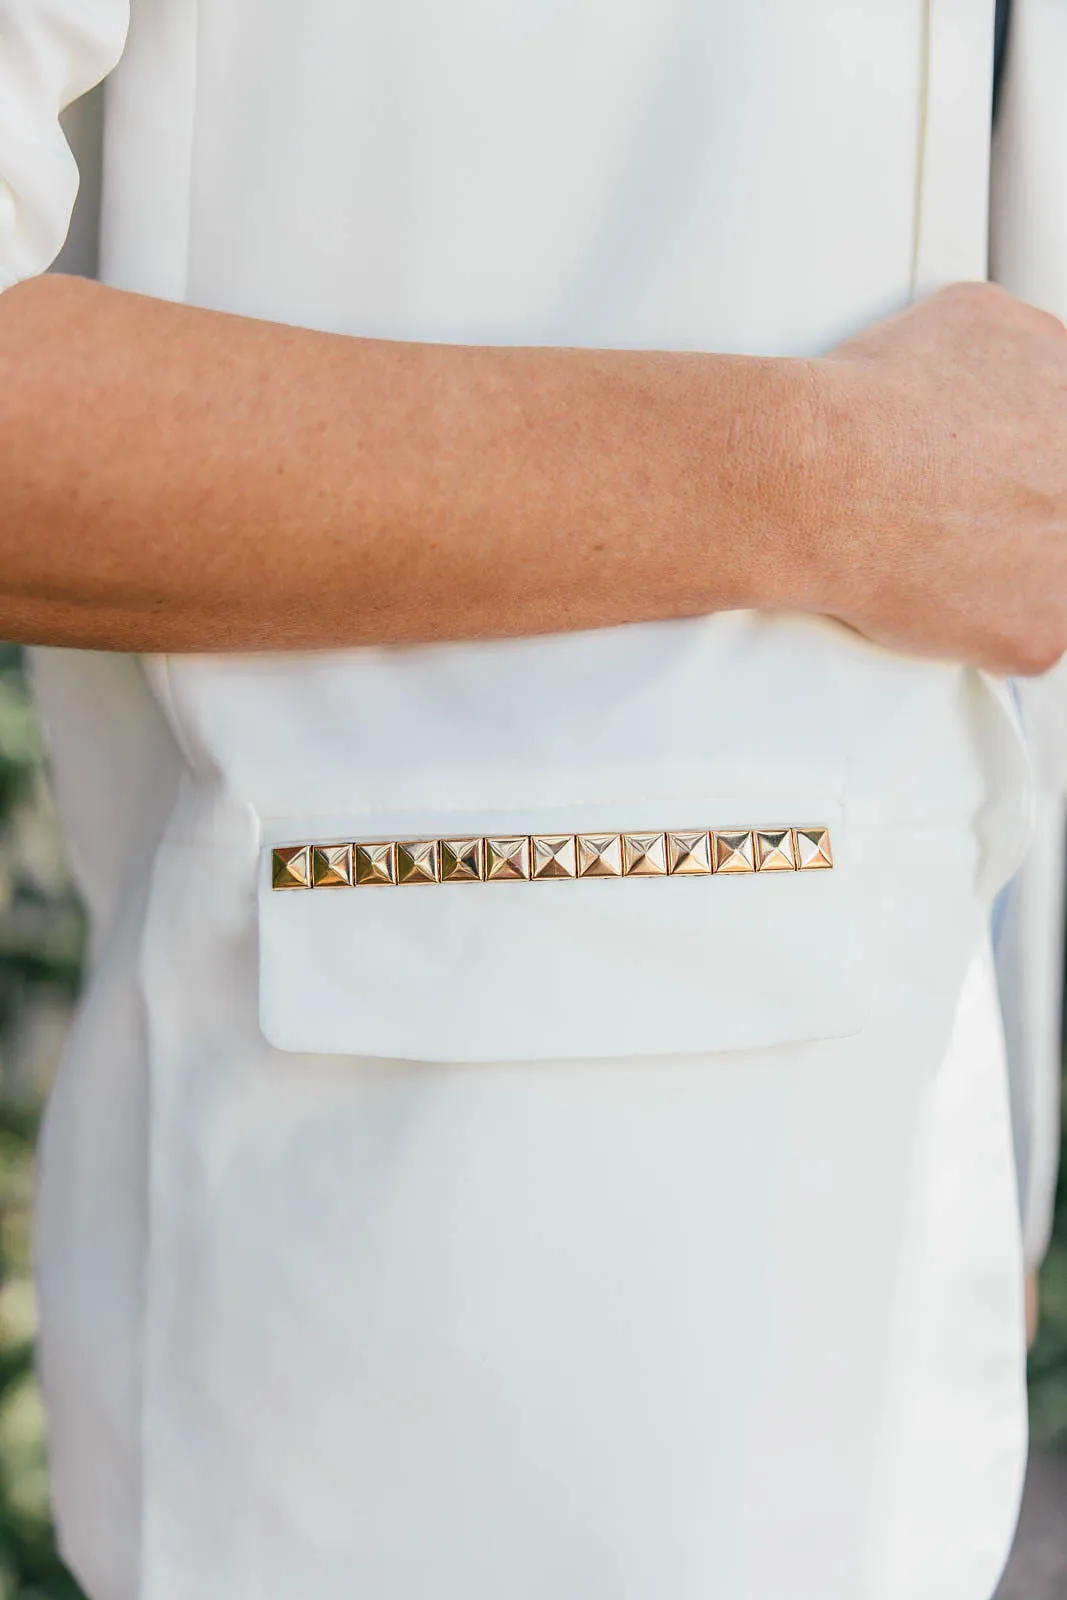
[(517, 968)]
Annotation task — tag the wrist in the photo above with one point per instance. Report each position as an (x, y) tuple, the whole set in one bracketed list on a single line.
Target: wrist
[(785, 485)]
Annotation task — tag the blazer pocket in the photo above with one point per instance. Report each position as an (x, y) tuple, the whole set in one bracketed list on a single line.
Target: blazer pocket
[(566, 964)]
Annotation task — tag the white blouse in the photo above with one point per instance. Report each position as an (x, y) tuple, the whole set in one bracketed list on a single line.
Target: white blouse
[(584, 1239)]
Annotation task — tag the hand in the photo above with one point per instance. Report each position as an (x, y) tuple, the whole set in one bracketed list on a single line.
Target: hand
[(945, 507)]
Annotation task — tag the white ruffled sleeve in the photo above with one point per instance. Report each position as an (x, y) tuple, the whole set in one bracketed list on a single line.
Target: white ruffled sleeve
[(1029, 257), (51, 51)]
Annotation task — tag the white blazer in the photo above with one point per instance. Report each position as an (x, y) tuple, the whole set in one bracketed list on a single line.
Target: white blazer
[(1029, 256), (591, 1237)]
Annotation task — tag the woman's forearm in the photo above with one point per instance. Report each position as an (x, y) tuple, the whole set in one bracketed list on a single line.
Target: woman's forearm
[(177, 479)]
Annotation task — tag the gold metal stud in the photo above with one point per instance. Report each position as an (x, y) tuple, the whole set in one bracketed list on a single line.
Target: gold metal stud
[(376, 863), (734, 852), (331, 866), (774, 850), (416, 861), (813, 852), (507, 858), (553, 855), (599, 855), (688, 854), (290, 867), (462, 860), (644, 855)]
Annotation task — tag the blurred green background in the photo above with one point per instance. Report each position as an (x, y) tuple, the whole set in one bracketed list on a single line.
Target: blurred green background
[(1048, 1359), (40, 957), (41, 940)]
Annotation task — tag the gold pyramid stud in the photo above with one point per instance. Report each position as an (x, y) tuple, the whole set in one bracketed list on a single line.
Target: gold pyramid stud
[(813, 852), (553, 855), (416, 861), (774, 850), (734, 851), (688, 854), (644, 855), (507, 859), (599, 855), (331, 866), (290, 867), (518, 857), (462, 860), (376, 863)]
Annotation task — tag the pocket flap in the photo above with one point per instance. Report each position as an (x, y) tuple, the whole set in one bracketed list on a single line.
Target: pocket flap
[(565, 967)]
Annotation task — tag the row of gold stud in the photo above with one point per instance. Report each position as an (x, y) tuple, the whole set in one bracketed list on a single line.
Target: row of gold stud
[(542, 856)]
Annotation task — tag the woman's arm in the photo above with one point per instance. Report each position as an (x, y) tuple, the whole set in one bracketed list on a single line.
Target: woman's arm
[(178, 479)]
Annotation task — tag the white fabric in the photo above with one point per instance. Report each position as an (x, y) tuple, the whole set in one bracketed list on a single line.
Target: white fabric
[(51, 51), (1028, 248), (742, 1322), (1029, 950), (951, 221)]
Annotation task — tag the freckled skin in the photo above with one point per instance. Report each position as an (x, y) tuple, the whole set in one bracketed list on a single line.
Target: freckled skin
[(178, 479)]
